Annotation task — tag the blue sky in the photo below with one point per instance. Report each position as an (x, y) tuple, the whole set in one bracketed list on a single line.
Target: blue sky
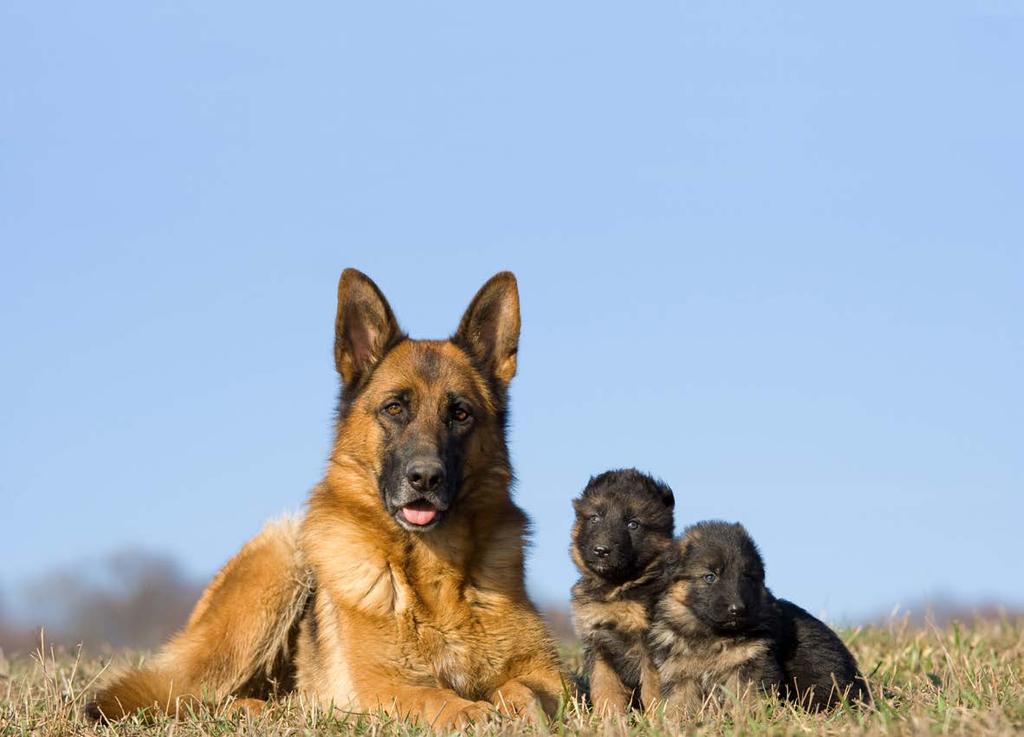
[(773, 254)]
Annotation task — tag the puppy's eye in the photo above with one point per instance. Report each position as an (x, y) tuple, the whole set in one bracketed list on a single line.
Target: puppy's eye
[(710, 578), (633, 524), (394, 408), (594, 518), (460, 414)]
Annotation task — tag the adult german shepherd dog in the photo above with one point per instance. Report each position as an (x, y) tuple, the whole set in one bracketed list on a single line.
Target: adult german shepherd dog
[(402, 587)]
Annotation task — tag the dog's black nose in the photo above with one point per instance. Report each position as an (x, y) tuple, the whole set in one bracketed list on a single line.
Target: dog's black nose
[(425, 475), (601, 551), (737, 609)]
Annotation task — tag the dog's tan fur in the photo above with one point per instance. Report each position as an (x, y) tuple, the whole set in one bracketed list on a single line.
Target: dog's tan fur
[(612, 617), (697, 669), (349, 607)]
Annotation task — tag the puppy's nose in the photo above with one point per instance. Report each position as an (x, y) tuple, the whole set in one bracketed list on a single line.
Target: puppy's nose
[(425, 475), (601, 551), (737, 609)]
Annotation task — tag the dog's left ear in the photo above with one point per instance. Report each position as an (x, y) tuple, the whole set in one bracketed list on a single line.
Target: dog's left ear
[(489, 330), (665, 492)]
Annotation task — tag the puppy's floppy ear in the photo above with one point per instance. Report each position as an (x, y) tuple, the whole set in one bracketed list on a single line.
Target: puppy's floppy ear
[(489, 331), (365, 327)]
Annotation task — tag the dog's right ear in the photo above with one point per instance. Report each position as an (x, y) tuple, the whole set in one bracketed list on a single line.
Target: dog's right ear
[(665, 494), (365, 327), (686, 543)]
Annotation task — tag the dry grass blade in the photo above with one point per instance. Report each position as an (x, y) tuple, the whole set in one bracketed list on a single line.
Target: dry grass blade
[(965, 680)]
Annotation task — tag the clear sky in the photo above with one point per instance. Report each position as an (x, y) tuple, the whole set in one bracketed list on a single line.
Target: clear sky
[(774, 255)]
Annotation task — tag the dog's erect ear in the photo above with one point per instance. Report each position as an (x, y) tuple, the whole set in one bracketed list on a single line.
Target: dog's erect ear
[(489, 330), (686, 543), (665, 492), (365, 327)]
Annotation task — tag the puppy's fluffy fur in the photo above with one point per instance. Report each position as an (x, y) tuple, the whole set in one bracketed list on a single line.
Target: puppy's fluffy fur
[(622, 545), (717, 629)]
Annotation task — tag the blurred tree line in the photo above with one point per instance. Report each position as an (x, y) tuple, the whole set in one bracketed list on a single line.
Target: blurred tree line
[(136, 599), (131, 598)]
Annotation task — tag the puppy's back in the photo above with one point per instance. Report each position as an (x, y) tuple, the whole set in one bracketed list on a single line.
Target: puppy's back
[(818, 666)]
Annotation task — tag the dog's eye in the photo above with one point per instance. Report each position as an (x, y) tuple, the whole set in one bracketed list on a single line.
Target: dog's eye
[(460, 414), (710, 578), (594, 518), (633, 524), (394, 408)]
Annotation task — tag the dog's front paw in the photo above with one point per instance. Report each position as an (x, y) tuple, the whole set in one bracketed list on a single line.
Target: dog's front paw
[(463, 713), (517, 699)]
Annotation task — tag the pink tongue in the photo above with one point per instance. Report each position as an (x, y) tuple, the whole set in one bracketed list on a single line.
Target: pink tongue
[(419, 514)]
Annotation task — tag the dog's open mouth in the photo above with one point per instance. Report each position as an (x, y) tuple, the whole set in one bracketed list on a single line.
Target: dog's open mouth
[(419, 513)]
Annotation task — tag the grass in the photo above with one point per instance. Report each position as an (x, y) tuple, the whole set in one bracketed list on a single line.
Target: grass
[(964, 679)]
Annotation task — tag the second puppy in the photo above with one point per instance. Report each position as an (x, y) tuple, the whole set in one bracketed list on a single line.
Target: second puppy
[(718, 630), (622, 545)]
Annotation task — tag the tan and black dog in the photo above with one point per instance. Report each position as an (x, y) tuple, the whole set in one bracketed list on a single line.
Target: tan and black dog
[(402, 588), (621, 543), (719, 637)]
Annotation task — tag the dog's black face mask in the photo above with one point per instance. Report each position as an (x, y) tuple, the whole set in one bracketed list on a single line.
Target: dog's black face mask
[(423, 456), (726, 576), (623, 521)]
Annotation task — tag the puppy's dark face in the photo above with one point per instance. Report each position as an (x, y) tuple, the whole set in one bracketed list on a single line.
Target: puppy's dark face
[(725, 576), (623, 522)]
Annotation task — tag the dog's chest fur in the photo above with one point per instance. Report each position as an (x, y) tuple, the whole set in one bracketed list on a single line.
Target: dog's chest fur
[(438, 602), (709, 661), (444, 624), (613, 623)]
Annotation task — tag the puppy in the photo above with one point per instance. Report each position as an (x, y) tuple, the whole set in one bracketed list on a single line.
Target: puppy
[(622, 545), (718, 633)]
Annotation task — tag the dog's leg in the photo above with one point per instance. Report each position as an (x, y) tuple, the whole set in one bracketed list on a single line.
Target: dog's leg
[(236, 636), (438, 708), (683, 699), (608, 694), (650, 684), (534, 684), (741, 693), (534, 693)]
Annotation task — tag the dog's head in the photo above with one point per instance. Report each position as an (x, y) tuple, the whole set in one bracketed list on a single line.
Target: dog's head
[(722, 575), (623, 522), (423, 417)]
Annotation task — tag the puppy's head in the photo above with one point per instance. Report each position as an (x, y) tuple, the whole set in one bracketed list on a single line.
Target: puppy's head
[(623, 522), (724, 577)]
